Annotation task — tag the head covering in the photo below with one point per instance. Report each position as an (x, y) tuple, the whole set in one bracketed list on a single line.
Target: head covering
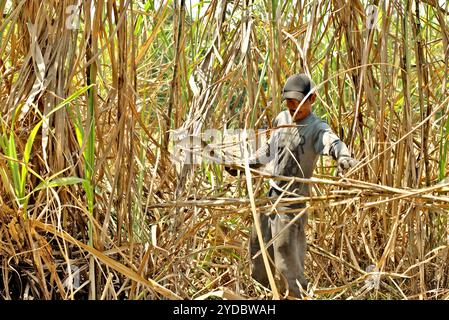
[(297, 87)]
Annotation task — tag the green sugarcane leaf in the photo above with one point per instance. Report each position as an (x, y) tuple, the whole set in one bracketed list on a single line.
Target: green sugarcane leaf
[(13, 165), (59, 182)]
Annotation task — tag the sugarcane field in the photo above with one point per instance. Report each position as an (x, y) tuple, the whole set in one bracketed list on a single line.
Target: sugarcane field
[(253, 150)]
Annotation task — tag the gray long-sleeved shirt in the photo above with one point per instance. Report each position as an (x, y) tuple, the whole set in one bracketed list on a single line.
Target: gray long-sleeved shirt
[(295, 146)]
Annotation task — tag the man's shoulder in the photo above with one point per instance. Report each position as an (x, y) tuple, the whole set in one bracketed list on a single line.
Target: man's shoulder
[(317, 118), (282, 118), (318, 121)]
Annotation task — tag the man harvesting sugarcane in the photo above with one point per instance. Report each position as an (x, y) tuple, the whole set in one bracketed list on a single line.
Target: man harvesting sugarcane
[(298, 138)]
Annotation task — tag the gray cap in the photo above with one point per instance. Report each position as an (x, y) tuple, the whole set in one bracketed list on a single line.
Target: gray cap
[(297, 87)]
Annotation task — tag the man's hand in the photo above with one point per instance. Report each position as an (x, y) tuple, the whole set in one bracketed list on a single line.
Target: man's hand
[(233, 172), (345, 163)]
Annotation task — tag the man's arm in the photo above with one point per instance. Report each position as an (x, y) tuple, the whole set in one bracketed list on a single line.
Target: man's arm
[(266, 153), (328, 143), (262, 156)]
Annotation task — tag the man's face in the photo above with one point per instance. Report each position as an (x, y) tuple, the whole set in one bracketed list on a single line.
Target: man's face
[(301, 112), (292, 105)]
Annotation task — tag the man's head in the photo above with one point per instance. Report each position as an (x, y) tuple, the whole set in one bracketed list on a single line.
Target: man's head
[(298, 92)]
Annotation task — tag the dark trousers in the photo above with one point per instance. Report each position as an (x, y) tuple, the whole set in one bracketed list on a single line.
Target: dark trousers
[(287, 252)]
